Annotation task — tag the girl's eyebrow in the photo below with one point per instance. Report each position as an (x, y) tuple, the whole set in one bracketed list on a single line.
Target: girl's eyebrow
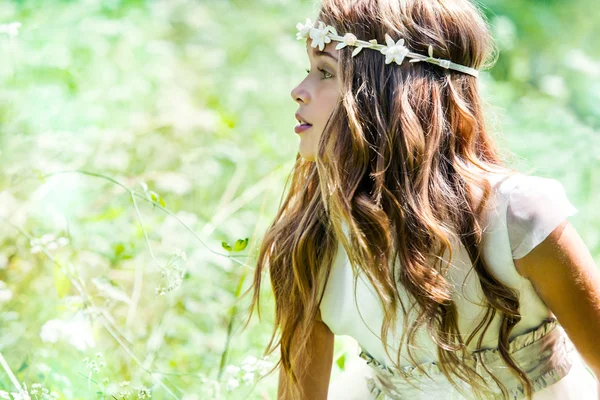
[(317, 53)]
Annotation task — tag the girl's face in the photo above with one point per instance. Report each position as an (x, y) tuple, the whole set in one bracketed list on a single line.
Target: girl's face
[(317, 96)]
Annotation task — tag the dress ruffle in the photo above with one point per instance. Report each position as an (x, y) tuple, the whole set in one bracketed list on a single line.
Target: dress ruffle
[(543, 353)]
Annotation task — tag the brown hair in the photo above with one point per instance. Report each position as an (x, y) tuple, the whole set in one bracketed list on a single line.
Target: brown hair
[(396, 164)]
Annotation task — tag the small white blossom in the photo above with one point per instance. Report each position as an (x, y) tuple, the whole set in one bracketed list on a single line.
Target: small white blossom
[(5, 293), (249, 364), (349, 40), (23, 394), (320, 36), (51, 331), (232, 369), (144, 392), (232, 384), (47, 238), (36, 249), (11, 29), (303, 30), (181, 254), (394, 51), (248, 378), (264, 366), (77, 331)]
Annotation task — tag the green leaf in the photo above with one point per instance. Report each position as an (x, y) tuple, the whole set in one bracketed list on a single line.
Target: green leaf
[(226, 246), (119, 249), (341, 361), (61, 282), (156, 198), (24, 365), (40, 174), (240, 244)]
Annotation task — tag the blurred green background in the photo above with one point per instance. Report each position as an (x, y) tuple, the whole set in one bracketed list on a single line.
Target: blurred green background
[(117, 285)]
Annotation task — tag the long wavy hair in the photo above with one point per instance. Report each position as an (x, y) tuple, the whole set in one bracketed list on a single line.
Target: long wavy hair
[(394, 180)]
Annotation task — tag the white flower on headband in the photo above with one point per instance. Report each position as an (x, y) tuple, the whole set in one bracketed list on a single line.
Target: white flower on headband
[(319, 35), (394, 51), (303, 29), (349, 40)]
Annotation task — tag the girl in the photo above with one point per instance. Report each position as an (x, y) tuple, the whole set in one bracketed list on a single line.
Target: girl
[(403, 228)]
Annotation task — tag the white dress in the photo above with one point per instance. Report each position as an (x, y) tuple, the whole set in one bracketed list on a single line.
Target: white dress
[(521, 212)]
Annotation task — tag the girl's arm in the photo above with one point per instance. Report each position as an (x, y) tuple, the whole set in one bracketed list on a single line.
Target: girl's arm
[(567, 279), (319, 353)]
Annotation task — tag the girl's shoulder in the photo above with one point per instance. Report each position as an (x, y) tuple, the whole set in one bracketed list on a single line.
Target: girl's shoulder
[(533, 207)]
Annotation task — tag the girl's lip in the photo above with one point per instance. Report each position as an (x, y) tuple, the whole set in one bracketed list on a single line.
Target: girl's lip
[(301, 128)]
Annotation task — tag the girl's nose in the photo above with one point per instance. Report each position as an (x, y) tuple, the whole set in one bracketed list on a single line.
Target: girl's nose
[(300, 95)]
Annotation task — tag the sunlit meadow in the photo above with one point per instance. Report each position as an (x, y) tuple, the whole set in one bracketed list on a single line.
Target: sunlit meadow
[(144, 148)]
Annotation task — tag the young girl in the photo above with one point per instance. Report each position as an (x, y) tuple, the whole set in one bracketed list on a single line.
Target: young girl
[(458, 276)]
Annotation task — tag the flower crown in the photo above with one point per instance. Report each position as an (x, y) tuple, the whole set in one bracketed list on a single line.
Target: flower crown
[(393, 51)]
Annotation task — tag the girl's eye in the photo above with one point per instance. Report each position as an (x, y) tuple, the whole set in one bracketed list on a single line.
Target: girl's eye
[(326, 75)]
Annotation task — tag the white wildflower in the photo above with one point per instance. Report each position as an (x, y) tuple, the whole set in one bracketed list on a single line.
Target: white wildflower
[(76, 331), (394, 51), (23, 394), (47, 238), (232, 384), (36, 249), (264, 366), (248, 378), (249, 364), (11, 29), (144, 392), (232, 369), (5, 293), (181, 254), (51, 331)]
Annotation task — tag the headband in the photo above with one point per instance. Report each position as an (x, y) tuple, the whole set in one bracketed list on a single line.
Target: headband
[(393, 51)]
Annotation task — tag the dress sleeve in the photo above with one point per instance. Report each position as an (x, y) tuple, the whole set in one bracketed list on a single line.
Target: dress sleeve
[(536, 207)]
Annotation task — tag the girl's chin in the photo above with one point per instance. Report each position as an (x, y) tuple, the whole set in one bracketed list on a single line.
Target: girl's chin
[(305, 152), (307, 157)]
